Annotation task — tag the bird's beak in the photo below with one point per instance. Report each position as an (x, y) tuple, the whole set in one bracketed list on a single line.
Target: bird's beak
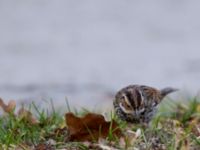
[(136, 113)]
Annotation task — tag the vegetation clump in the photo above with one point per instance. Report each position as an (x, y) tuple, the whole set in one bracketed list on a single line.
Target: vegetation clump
[(176, 126)]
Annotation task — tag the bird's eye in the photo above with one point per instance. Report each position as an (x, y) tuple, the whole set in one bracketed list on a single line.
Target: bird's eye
[(123, 97), (128, 106)]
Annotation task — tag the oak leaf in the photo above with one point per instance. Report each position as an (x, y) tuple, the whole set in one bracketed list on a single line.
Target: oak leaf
[(90, 127)]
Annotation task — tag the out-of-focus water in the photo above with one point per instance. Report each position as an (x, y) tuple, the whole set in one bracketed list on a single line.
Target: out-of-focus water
[(87, 50)]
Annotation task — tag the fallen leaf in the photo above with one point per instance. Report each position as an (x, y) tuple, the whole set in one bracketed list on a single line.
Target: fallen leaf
[(43, 146), (129, 138), (23, 113), (28, 116), (8, 108), (90, 127), (102, 144)]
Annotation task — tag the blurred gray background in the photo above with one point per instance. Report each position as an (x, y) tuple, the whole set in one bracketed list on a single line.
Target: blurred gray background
[(87, 50)]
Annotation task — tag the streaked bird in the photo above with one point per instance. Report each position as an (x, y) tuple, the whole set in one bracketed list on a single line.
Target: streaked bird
[(138, 103)]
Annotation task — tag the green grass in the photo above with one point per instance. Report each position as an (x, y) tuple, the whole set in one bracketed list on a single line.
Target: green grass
[(15, 130), (175, 126)]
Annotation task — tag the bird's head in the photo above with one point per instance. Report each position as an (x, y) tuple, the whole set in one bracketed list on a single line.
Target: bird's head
[(125, 105)]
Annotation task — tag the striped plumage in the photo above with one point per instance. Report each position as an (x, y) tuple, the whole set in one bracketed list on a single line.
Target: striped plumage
[(138, 103)]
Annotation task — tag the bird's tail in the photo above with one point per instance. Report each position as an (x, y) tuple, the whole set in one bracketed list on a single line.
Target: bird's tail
[(167, 91)]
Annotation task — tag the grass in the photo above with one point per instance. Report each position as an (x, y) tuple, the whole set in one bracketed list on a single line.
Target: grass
[(17, 131), (176, 126)]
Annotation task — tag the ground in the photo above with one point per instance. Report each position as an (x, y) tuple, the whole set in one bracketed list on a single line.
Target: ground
[(175, 126)]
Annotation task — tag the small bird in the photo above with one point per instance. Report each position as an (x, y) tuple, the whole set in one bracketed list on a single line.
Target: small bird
[(138, 103)]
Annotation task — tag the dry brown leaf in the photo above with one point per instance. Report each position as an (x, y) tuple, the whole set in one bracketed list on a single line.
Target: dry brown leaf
[(23, 113), (8, 108), (43, 146), (129, 138), (90, 127), (28, 116)]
